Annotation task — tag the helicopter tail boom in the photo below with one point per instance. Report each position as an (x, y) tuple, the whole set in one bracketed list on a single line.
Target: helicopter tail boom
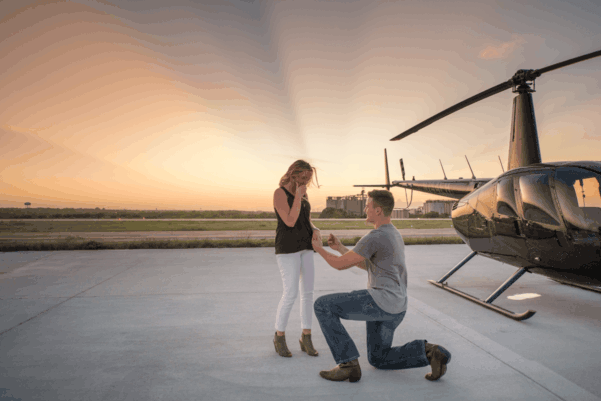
[(455, 189), (450, 188)]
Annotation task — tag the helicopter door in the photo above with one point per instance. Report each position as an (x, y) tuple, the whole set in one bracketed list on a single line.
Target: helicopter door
[(540, 222), (508, 238), (579, 197)]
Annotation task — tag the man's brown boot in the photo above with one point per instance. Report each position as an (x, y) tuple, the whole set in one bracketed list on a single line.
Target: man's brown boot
[(280, 345), (349, 370), (438, 357), (307, 346)]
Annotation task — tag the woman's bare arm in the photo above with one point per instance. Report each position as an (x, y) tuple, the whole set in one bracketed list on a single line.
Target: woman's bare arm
[(311, 223), (288, 214)]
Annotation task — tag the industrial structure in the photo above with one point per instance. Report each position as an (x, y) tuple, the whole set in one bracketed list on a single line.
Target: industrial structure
[(352, 204), (355, 205), (439, 206), (400, 214)]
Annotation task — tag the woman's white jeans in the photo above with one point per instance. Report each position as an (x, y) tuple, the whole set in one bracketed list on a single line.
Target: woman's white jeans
[(296, 267)]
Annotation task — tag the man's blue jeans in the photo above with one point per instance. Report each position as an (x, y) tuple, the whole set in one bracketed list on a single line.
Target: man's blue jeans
[(359, 305)]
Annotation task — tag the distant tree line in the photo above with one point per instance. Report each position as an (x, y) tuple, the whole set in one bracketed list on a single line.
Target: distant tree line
[(97, 213)]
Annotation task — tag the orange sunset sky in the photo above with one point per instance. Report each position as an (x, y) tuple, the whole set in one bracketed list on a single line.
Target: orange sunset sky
[(186, 104)]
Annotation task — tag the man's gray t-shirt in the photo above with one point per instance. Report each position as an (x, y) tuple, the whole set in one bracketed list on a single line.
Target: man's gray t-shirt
[(384, 253)]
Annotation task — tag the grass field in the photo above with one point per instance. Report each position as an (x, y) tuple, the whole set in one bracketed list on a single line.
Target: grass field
[(74, 244), (150, 225), (109, 223)]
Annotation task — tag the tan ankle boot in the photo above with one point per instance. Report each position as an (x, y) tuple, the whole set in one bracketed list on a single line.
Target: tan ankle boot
[(306, 345), (349, 370), (438, 358), (280, 345)]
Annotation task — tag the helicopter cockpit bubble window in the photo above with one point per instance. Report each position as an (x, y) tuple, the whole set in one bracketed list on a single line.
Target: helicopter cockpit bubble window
[(506, 198), (537, 199), (579, 195)]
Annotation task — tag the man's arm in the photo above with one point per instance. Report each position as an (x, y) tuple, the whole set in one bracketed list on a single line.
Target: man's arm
[(343, 262), (344, 250), (349, 259)]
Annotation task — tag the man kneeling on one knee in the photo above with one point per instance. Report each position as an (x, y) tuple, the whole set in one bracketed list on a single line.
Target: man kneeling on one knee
[(382, 305)]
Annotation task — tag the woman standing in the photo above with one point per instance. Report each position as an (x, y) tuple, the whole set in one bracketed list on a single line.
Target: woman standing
[(294, 253)]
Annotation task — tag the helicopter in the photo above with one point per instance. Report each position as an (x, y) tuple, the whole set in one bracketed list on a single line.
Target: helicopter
[(543, 218)]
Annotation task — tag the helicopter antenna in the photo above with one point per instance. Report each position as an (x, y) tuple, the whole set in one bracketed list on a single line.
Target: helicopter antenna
[(501, 163), (468, 163), (443, 173)]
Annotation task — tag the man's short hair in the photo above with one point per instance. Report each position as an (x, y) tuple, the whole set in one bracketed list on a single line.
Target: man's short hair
[(383, 199)]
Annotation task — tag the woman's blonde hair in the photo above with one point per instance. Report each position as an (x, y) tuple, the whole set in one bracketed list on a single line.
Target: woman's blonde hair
[(298, 167)]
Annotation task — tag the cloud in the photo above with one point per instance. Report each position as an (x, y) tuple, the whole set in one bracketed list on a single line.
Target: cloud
[(591, 137), (502, 50)]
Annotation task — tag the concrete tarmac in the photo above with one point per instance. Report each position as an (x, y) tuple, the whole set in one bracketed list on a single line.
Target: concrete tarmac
[(197, 324)]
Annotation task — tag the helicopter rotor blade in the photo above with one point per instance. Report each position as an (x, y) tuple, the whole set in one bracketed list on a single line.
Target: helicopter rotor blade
[(480, 96), (520, 77), (568, 62)]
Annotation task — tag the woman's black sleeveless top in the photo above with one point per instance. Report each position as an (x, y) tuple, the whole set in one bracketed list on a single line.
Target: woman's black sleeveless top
[(297, 238)]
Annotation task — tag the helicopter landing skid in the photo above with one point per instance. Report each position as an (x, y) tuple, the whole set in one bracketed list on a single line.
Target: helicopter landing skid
[(488, 302), (584, 286)]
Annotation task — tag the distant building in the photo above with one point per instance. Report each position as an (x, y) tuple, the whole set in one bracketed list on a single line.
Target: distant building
[(439, 206), (400, 214), (353, 204)]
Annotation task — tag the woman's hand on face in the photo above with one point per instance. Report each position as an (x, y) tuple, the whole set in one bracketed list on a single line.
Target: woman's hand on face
[(301, 190)]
